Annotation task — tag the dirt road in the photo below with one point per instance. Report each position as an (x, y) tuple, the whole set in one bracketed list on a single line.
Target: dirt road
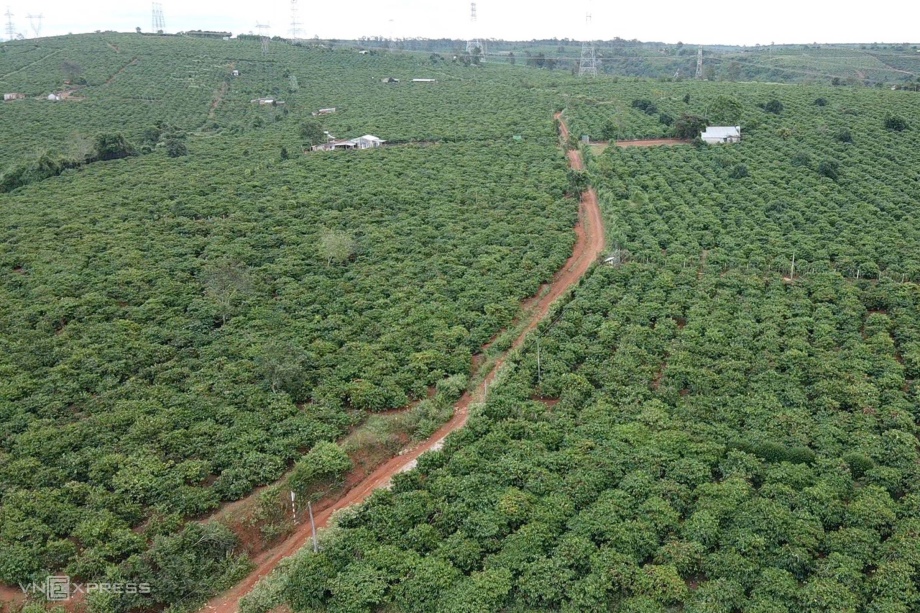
[(588, 246), (654, 142)]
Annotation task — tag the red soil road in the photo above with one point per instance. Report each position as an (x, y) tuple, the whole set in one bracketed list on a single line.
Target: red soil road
[(588, 246), (650, 143)]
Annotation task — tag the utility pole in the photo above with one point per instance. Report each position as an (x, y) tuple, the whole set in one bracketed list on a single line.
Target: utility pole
[(588, 64), (10, 30), (699, 63)]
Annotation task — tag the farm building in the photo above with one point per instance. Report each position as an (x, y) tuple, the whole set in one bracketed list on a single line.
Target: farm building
[(424, 80), (8, 97), (54, 97), (715, 135), (389, 80), (267, 101), (367, 141), (235, 73), (328, 111)]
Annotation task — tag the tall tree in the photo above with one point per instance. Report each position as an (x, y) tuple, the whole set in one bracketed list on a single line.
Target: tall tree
[(227, 281)]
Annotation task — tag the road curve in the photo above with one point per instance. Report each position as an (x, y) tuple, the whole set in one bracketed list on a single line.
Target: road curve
[(588, 246)]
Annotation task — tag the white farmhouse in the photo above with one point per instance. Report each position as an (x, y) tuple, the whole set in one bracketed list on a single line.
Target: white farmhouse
[(715, 135), (367, 141)]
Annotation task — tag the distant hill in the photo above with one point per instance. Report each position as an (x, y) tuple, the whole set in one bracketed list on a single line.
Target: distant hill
[(851, 64)]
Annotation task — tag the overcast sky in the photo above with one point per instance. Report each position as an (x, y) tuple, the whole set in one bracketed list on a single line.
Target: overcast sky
[(703, 21)]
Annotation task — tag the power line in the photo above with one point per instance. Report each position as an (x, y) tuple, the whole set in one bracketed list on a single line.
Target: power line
[(699, 63)]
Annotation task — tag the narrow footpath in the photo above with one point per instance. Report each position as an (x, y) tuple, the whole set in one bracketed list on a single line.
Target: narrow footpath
[(588, 246)]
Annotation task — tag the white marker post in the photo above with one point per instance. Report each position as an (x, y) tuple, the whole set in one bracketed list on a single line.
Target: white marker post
[(313, 527)]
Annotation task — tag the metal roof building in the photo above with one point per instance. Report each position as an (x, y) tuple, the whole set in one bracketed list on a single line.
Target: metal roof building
[(368, 141), (721, 134)]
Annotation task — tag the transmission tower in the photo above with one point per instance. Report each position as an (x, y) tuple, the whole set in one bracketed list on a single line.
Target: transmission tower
[(10, 30), (37, 29), (699, 63), (158, 22), (588, 64), (474, 42), (262, 28), (295, 25)]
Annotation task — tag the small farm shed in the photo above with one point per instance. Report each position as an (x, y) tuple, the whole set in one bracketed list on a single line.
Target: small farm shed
[(235, 73), (389, 80), (7, 97), (267, 101), (424, 80), (328, 111), (715, 135), (367, 141), (53, 97)]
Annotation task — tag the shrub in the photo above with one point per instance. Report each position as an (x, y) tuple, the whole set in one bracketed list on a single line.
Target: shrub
[(895, 123), (844, 136), (175, 146), (859, 464), (829, 169), (645, 105), (739, 172), (112, 147), (324, 465), (801, 158), (773, 106)]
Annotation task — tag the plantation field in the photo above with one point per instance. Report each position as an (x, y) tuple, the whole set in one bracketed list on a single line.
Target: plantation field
[(193, 305), (721, 442), (184, 322), (762, 202), (133, 81), (724, 420)]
